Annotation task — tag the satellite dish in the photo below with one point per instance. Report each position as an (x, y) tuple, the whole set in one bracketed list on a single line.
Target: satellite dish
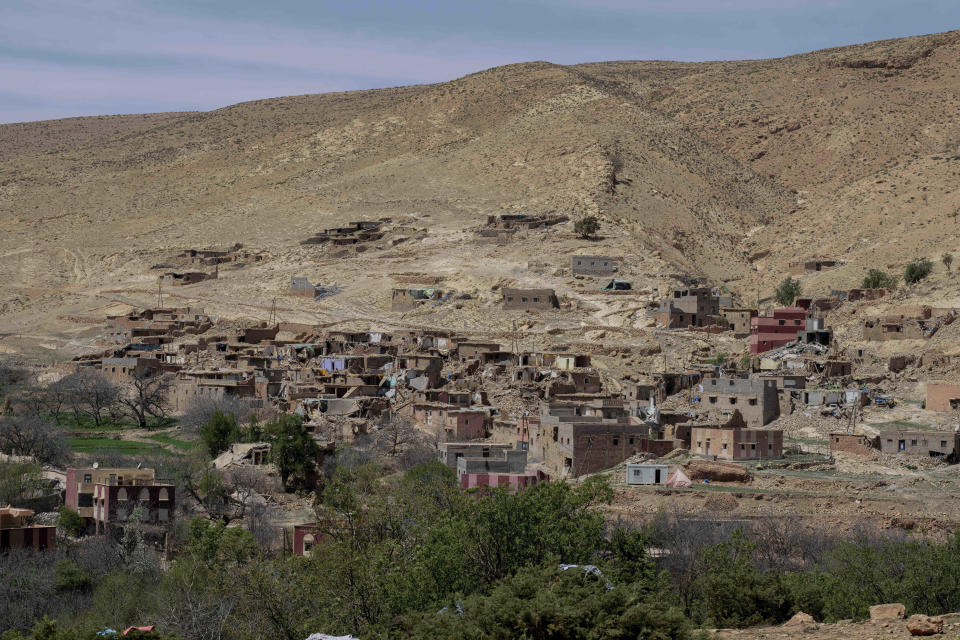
[(96, 465)]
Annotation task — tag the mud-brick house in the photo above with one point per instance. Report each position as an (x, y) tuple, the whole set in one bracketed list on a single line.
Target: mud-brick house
[(17, 534), (733, 441), (943, 397), (593, 265), (756, 400), (935, 444), (529, 299)]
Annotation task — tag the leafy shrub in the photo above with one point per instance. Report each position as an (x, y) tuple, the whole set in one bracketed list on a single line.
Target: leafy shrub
[(587, 226), (71, 522), (788, 291), (876, 279), (917, 270)]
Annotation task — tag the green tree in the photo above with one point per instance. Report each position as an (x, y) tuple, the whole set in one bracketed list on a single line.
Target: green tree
[(219, 432), (293, 449), (788, 291), (69, 577), (947, 260), (729, 591), (555, 604), (70, 522), (877, 279), (917, 270), (587, 226)]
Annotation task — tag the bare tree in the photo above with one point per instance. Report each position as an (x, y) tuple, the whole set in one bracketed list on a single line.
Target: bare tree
[(393, 437), (28, 435), (146, 396), (90, 393), (259, 522), (201, 410)]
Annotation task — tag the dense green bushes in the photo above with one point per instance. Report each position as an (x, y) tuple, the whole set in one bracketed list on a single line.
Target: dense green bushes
[(414, 557)]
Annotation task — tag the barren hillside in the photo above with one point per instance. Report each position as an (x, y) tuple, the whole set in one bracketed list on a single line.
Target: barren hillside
[(693, 168)]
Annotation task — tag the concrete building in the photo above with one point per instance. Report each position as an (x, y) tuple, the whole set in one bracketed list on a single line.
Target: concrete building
[(647, 473), (943, 397), (922, 443), (776, 330), (529, 299), (105, 496), (736, 443), (114, 503), (16, 534), (593, 265), (756, 400)]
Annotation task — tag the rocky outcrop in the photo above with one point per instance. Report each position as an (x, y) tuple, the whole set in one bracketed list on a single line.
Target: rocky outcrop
[(885, 612), (920, 625)]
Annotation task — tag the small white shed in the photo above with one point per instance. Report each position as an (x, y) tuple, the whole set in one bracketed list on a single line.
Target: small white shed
[(647, 473)]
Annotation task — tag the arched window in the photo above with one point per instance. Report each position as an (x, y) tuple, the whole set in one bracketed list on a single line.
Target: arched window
[(121, 494), (163, 494), (144, 495)]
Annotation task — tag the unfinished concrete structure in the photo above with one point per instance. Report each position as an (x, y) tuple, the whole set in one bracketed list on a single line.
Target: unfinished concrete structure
[(529, 299), (593, 265), (756, 400)]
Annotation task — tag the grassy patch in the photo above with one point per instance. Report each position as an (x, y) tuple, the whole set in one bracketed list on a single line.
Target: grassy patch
[(109, 445), (902, 425), (164, 438)]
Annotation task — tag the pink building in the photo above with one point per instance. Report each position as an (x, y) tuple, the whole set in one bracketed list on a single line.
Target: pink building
[(514, 481), (465, 424), (770, 332)]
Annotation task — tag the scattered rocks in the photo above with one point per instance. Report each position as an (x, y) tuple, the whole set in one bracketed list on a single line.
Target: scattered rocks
[(882, 612), (921, 625)]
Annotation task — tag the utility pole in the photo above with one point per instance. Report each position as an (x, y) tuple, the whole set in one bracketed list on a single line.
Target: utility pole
[(159, 294), (273, 313)]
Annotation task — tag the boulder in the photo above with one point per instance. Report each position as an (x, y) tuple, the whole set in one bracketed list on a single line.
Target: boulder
[(920, 625), (881, 612), (799, 619), (716, 471)]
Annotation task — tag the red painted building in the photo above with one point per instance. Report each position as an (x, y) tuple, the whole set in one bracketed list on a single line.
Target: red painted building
[(770, 332), (514, 481)]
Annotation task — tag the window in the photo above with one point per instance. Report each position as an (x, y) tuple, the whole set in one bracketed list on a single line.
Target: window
[(713, 399), (522, 299), (616, 441), (913, 443), (631, 440), (636, 473), (732, 400), (536, 299), (510, 299), (943, 444), (87, 477), (752, 402), (85, 500), (753, 447)]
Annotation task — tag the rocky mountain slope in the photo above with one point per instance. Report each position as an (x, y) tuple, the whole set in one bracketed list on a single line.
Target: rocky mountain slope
[(722, 170)]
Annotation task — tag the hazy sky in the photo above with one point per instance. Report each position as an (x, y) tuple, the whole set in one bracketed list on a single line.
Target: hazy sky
[(63, 58)]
